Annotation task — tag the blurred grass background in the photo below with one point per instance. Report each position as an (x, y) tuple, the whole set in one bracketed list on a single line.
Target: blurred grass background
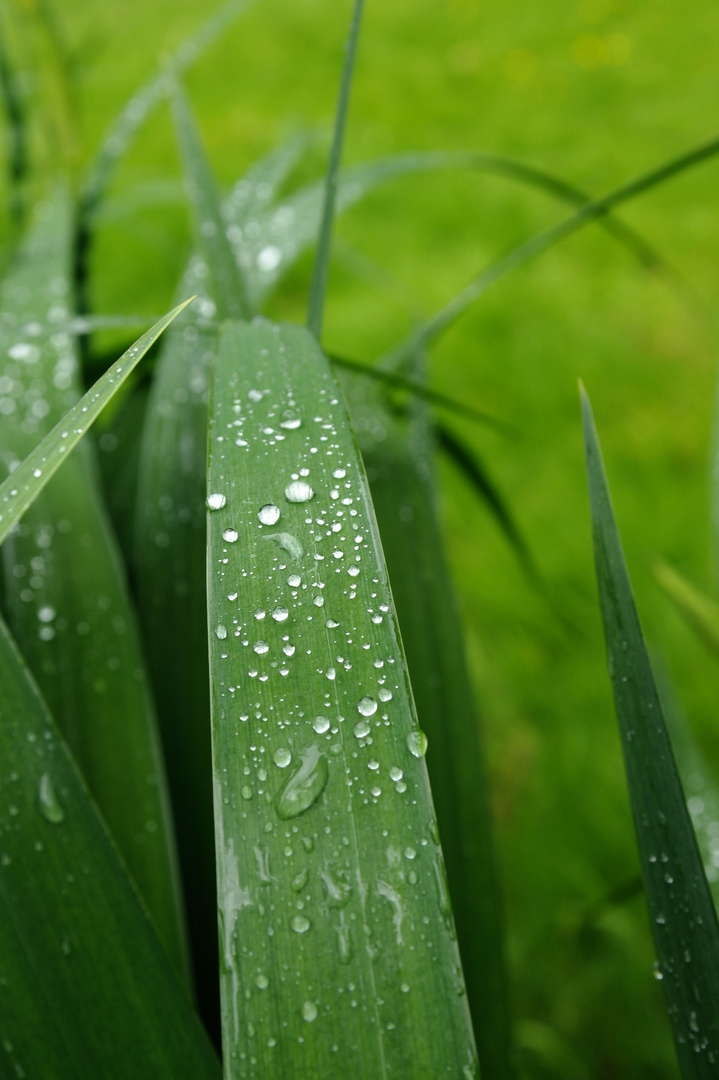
[(595, 91)]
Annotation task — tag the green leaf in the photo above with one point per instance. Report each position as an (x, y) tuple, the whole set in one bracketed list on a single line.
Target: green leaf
[(324, 821), (318, 288), (682, 914), (85, 990), (431, 329), (700, 611), (226, 285), (399, 457), (16, 129), (64, 590)]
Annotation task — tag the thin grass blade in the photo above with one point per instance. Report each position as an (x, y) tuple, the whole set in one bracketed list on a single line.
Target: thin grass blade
[(682, 914), (400, 470), (85, 989), (255, 193), (318, 288), (429, 331), (324, 820), (700, 611), (15, 133), (226, 281)]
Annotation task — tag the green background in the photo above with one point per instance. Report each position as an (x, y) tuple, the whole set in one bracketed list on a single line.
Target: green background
[(596, 92)]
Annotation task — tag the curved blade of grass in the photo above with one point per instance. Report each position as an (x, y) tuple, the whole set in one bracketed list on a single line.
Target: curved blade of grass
[(430, 330), (682, 914), (318, 287), (22, 487), (64, 589), (291, 227), (700, 611), (169, 563), (400, 470), (226, 281), (85, 990), (325, 830)]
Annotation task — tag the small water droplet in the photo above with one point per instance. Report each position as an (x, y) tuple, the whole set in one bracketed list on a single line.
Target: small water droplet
[(384, 694), (269, 514), (50, 806), (288, 650), (309, 1011), (280, 614), (221, 632), (417, 743), (367, 706), (339, 474), (353, 571), (261, 647), (294, 581), (262, 982), (362, 728), (282, 757), (299, 881), (298, 491), (300, 924), (305, 785), (318, 601), (321, 724), (290, 420), (246, 792), (230, 535), (255, 395), (216, 501)]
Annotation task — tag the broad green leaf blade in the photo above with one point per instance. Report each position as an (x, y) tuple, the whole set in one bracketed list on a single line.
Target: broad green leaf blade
[(682, 914), (30, 477), (287, 229), (169, 563), (700, 611), (325, 829), (64, 590), (400, 470), (430, 330), (318, 288), (226, 283), (85, 991)]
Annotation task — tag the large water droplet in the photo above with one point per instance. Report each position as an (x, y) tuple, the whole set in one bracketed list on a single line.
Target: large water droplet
[(230, 535), (269, 514), (305, 785), (280, 614), (216, 501), (294, 581), (261, 647), (300, 924), (290, 420), (50, 806), (298, 491), (367, 706), (299, 881), (417, 743), (221, 632), (384, 694), (309, 1011), (362, 728), (321, 724), (282, 757)]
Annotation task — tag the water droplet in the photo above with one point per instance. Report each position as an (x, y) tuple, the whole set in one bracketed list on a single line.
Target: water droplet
[(384, 694), (254, 395), (288, 650), (417, 743), (230, 535), (261, 647), (367, 706), (318, 601), (216, 501), (353, 571), (269, 258), (305, 785), (693, 1022), (298, 491), (300, 924), (309, 1011), (246, 792), (294, 581), (290, 420), (280, 614), (46, 614), (339, 474), (50, 806), (395, 773), (362, 728), (344, 942), (299, 881), (262, 982), (321, 724), (221, 632), (282, 757), (288, 543), (269, 514)]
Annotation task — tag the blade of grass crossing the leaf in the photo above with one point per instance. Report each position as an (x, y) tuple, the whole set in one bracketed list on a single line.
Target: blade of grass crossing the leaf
[(169, 563), (682, 914), (83, 981), (400, 470), (322, 805), (227, 285), (700, 611), (64, 589), (318, 288), (430, 330)]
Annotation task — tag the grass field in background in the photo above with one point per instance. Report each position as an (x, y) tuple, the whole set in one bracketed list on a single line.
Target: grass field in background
[(595, 92)]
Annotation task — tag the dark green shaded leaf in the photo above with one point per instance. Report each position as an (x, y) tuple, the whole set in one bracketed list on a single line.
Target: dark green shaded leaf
[(682, 914), (333, 837)]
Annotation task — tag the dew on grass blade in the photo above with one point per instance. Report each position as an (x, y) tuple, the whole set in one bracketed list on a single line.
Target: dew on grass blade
[(309, 1011), (50, 806), (417, 743), (216, 501), (300, 924), (305, 785), (269, 514), (367, 706), (299, 491), (362, 728)]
